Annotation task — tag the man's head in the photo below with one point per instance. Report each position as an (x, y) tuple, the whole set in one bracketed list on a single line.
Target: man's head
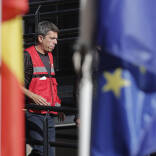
[(47, 35)]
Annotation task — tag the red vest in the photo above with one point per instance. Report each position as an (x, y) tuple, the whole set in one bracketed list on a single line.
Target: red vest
[(42, 83)]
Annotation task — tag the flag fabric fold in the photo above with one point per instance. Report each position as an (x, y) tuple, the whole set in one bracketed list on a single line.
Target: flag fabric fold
[(124, 109), (11, 8), (12, 124), (12, 99), (124, 112), (126, 28)]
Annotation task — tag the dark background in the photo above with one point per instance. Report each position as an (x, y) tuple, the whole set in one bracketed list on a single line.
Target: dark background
[(65, 14)]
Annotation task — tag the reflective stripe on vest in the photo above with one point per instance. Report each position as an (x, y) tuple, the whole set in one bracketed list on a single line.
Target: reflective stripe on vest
[(41, 69), (57, 104), (52, 70)]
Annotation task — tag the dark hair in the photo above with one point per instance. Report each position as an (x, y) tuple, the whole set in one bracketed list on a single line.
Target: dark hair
[(45, 26)]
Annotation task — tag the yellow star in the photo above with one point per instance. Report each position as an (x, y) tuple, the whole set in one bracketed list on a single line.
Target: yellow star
[(142, 69), (115, 82)]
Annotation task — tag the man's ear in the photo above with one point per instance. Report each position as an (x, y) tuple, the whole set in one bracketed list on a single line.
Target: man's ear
[(40, 38)]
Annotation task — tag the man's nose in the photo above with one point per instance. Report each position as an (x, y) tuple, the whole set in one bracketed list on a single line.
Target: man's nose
[(55, 41)]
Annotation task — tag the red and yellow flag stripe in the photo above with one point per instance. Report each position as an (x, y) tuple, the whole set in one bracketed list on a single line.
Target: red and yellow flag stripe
[(12, 102), (12, 123)]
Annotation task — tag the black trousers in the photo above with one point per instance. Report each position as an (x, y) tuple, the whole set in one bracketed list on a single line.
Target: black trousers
[(34, 132)]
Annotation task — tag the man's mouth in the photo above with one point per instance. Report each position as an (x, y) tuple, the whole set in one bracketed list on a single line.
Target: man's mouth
[(51, 47)]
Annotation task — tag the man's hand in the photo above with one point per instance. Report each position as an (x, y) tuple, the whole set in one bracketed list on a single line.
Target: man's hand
[(39, 100), (36, 98), (61, 116), (77, 121)]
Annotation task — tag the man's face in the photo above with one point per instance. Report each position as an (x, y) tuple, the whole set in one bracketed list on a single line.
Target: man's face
[(49, 41)]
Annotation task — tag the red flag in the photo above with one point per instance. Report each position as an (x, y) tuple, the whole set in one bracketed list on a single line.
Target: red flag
[(11, 8), (12, 103)]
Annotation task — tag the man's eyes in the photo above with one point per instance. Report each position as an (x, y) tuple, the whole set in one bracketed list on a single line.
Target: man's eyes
[(54, 38)]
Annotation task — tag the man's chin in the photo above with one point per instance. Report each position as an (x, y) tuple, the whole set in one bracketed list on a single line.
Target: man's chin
[(51, 49)]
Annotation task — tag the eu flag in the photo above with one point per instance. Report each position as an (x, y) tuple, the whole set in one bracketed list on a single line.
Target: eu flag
[(127, 29), (124, 110)]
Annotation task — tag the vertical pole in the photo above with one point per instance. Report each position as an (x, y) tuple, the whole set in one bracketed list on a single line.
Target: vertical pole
[(86, 43), (0, 76), (37, 19), (45, 135), (85, 103)]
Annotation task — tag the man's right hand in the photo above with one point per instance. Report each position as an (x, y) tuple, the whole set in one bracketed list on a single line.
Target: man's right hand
[(39, 100), (36, 98)]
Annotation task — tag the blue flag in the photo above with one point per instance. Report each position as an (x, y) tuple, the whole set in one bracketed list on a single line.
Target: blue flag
[(127, 29), (124, 111)]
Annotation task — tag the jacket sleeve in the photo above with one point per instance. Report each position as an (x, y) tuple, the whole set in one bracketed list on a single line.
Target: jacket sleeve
[(28, 69)]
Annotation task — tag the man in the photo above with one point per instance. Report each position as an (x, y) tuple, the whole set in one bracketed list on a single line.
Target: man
[(41, 86)]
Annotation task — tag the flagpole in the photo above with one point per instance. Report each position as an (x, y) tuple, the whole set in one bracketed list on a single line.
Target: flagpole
[(85, 101), (83, 64), (0, 77)]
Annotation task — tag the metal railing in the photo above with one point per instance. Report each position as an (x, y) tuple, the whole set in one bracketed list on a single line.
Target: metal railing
[(45, 141)]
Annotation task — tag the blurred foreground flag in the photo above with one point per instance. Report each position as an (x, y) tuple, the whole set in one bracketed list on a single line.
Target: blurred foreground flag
[(12, 100), (124, 110), (127, 30), (12, 8)]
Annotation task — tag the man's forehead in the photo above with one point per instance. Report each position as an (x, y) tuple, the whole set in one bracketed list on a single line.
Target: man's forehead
[(52, 33)]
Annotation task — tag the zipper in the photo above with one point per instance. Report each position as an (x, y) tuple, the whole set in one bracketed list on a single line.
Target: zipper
[(50, 81), (51, 89)]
